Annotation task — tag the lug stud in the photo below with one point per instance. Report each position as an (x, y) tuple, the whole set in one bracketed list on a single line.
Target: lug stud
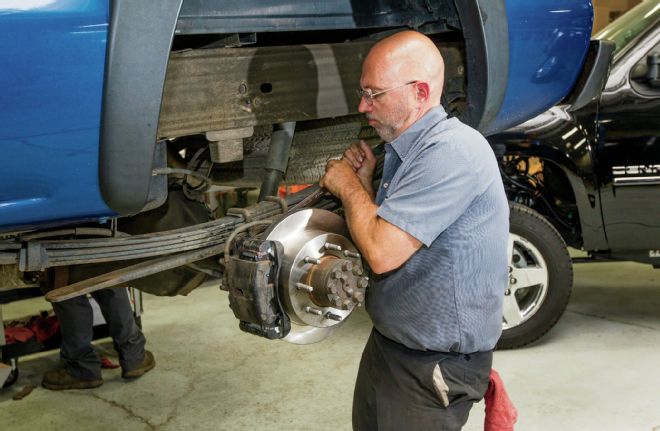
[(347, 266), (312, 260), (315, 311), (305, 287), (331, 246), (332, 316), (352, 254)]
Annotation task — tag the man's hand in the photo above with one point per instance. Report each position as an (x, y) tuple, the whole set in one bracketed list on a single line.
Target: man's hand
[(340, 178), (362, 159)]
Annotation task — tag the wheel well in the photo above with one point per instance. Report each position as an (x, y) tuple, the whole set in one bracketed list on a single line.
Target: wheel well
[(543, 186)]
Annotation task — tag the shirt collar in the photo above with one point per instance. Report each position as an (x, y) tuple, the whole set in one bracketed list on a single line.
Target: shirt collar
[(405, 141)]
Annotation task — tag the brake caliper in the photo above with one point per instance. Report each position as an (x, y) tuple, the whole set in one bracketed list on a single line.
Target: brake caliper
[(251, 277), (299, 280)]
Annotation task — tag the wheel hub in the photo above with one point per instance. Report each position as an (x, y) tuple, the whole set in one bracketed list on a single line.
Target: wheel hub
[(528, 282), (322, 277)]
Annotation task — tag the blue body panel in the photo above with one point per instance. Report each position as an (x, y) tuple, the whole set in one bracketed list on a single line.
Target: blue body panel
[(548, 43), (51, 82), (51, 86)]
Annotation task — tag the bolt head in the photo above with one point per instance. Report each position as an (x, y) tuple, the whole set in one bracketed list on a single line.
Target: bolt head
[(507, 292)]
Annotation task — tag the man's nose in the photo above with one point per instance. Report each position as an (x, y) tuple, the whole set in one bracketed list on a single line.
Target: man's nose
[(363, 106)]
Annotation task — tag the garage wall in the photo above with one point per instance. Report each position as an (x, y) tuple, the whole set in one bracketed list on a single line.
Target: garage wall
[(606, 11)]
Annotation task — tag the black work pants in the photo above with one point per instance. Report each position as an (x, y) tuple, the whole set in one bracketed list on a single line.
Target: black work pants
[(398, 388), (76, 328)]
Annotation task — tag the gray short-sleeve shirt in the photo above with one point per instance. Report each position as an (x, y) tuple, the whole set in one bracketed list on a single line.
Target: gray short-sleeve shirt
[(441, 184)]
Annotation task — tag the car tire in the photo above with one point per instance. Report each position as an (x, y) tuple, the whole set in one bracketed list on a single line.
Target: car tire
[(540, 278)]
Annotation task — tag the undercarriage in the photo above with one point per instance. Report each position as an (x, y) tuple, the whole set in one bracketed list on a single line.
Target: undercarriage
[(291, 270)]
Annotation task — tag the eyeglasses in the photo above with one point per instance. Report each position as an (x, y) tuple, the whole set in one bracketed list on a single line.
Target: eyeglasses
[(369, 95)]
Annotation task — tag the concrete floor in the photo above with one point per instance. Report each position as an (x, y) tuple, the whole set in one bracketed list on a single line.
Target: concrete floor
[(599, 369)]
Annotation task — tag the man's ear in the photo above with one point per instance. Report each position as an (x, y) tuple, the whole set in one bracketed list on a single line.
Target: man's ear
[(422, 91)]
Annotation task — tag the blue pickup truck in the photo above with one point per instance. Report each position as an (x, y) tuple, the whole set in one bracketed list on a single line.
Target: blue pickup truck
[(121, 120)]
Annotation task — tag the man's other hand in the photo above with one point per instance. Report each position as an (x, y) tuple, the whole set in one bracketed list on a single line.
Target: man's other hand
[(362, 159), (340, 177)]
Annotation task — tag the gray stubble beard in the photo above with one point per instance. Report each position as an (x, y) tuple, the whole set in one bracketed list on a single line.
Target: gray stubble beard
[(386, 132)]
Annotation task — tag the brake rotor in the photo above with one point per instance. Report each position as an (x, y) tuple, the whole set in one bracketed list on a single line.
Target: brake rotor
[(322, 277)]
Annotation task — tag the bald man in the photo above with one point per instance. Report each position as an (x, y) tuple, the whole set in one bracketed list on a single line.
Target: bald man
[(435, 236)]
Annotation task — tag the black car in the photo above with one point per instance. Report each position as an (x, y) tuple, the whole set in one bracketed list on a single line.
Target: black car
[(586, 174)]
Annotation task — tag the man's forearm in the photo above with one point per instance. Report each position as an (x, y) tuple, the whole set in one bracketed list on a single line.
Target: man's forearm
[(384, 246), (367, 183), (362, 218), (369, 231)]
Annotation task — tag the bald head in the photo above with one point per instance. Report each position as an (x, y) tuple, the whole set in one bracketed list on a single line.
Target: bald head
[(408, 56), (406, 72)]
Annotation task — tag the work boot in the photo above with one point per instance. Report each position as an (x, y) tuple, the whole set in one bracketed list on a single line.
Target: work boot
[(60, 379), (148, 362)]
